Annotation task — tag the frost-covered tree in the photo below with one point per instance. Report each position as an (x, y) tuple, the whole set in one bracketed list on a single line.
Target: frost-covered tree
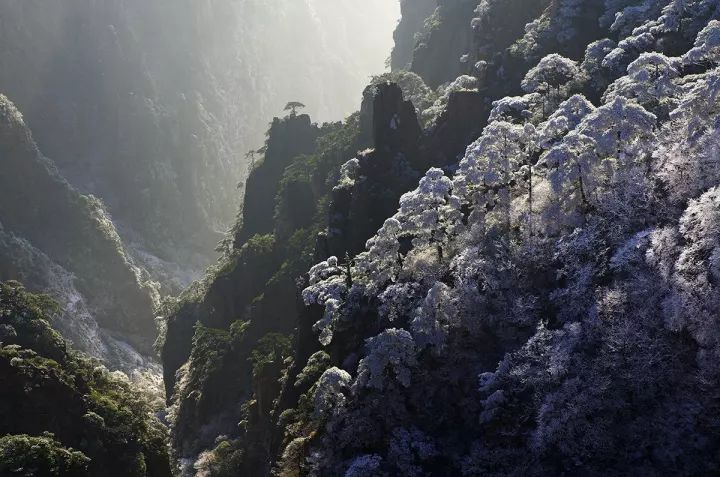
[(650, 80), (390, 358), (332, 391), (700, 105), (516, 109), (707, 46), (624, 16), (433, 317), (365, 466), (566, 117), (572, 172), (328, 287), (622, 130), (430, 214), (594, 75), (696, 303), (486, 174), (382, 262), (408, 449), (628, 49), (548, 78)]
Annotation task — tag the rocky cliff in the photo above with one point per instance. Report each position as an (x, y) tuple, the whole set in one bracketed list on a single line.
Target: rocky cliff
[(55, 237)]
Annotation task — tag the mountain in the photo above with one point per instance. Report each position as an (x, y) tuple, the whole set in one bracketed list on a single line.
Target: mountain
[(505, 263), (59, 240), (515, 248)]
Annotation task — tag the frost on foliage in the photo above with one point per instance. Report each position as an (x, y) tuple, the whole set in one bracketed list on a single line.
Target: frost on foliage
[(365, 466), (430, 212), (333, 389), (328, 288), (690, 158), (490, 161), (649, 81), (550, 74), (696, 305), (625, 16), (700, 107), (434, 316), (571, 170), (556, 26), (565, 118), (462, 83), (398, 300), (408, 449), (631, 250), (621, 128), (707, 45), (685, 17), (597, 75), (627, 50), (381, 263), (628, 281), (390, 355), (348, 173), (544, 360), (515, 109)]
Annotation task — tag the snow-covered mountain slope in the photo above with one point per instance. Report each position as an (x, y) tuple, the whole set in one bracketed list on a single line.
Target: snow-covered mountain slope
[(549, 306)]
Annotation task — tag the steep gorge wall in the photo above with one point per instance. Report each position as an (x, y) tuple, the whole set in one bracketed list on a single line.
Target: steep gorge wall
[(413, 14), (152, 106), (63, 242)]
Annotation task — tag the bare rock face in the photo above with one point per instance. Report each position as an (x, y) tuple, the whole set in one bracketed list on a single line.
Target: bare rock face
[(395, 124), (414, 13), (446, 38)]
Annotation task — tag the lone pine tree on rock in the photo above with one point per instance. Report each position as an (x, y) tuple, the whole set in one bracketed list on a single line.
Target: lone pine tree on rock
[(293, 106)]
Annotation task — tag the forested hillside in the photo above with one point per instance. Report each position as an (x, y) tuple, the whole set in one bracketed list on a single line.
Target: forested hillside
[(63, 414), (516, 261), (505, 263)]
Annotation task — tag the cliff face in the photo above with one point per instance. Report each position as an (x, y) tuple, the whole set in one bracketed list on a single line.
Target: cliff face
[(287, 139), (35, 199), (151, 108), (446, 37), (111, 98), (325, 203), (413, 14)]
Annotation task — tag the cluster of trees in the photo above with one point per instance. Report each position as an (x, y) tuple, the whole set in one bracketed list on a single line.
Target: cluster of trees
[(552, 306), (62, 413)]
